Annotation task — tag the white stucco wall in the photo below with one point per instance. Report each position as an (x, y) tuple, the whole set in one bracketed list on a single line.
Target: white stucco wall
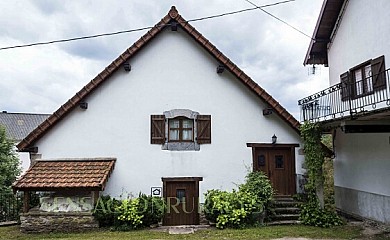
[(363, 162), (363, 34), (172, 72)]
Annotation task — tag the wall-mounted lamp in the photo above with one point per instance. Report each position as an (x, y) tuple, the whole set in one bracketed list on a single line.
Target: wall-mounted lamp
[(274, 139), (83, 105), (127, 67), (220, 69)]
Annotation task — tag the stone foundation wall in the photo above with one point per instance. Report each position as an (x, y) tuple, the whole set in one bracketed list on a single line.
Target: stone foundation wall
[(38, 222)]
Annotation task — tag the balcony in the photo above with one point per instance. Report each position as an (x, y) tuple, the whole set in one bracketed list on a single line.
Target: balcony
[(348, 99)]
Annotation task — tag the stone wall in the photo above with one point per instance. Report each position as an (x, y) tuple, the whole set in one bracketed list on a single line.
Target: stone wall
[(37, 222)]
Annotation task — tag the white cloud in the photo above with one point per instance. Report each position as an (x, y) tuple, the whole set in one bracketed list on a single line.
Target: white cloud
[(40, 79)]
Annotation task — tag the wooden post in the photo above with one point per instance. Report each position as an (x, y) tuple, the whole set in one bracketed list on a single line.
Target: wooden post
[(26, 201), (95, 197)]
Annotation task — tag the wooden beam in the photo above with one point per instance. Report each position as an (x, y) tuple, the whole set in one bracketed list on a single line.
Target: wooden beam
[(26, 201)]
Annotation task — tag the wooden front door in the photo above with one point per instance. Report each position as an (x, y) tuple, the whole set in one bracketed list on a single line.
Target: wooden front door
[(279, 166), (182, 198)]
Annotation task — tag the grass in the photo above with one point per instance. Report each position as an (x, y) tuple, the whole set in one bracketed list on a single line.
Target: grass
[(343, 232)]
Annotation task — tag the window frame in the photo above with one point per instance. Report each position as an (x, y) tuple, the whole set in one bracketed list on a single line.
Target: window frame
[(377, 77), (160, 130), (181, 129), (365, 91)]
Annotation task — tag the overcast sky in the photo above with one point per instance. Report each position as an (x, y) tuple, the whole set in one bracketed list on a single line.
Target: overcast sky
[(39, 79)]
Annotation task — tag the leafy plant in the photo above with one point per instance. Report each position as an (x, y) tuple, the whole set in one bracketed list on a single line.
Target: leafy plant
[(105, 211), (124, 215), (231, 209), (311, 212), (152, 209), (9, 163), (129, 214), (258, 184)]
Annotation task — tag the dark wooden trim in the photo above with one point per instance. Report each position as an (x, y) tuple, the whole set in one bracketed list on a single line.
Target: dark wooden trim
[(26, 201), (32, 189), (181, 179), (270, 145), (366, 128)]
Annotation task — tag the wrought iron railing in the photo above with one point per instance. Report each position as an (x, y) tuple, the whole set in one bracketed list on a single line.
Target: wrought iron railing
[(10, 206), (347, 99)]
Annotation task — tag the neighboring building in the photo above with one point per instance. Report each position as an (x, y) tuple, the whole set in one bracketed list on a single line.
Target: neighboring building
[(175, 116), (18, 126), (353, 39)]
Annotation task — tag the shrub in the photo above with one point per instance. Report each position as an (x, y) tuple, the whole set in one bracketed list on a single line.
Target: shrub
[(152, 209), (230, 209), (105, 211), (259, 185), (129, 214), (312, 214)]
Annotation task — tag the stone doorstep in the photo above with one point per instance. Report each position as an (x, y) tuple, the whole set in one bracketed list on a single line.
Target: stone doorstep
[(181, 229), (175, 230)]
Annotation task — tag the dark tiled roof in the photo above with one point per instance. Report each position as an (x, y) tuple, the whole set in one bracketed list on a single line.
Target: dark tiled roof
[(50, 175), (173, 15), (19, 125)]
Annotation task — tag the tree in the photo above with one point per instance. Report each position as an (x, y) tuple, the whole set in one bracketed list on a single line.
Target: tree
[(9, 162)]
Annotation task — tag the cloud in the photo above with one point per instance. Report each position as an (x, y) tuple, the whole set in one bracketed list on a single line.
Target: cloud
[(40, 79)]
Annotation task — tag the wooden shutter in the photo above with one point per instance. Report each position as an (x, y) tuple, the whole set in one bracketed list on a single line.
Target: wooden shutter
[(346, 88), (157, 129), (378, 73), (203, 124)]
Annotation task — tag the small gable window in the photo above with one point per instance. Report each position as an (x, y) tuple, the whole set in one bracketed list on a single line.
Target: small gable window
[(180, 130)]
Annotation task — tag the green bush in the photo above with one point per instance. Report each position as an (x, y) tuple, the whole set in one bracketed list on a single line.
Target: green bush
[(239, 208), (312, 214), (129, 214), (152, 209), (105, 211), (231, 209), (258, 184), (124, 215)]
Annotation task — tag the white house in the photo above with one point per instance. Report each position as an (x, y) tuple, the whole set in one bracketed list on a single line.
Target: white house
[(173, 114), (352, 38)]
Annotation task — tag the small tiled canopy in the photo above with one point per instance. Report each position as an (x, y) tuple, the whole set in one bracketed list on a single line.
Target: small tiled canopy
[(66, 174)]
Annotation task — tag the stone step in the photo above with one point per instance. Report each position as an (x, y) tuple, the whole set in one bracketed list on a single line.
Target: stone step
[(283, 199), (284, 222), (286, 210), (280, 217), (285, 204)]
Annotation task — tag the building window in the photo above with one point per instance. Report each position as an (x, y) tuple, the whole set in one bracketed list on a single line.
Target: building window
[(181, 130), (364, 79)]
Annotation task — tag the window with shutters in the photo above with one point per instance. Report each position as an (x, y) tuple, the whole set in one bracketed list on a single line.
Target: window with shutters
[(363, 79), (180, 130)]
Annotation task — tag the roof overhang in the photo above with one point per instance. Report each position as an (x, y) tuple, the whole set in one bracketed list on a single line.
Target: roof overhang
[(317, 51), (66, 174)]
